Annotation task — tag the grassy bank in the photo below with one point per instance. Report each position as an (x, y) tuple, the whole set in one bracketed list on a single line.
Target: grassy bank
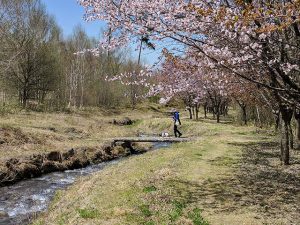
[(229, 175), (26, 133)]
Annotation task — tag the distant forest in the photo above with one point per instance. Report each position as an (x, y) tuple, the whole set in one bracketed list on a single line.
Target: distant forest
[(40, 70)]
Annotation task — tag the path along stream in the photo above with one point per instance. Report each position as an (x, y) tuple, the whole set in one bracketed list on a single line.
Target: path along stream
[(25, 199)]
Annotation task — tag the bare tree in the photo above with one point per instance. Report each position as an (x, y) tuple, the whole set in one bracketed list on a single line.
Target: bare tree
[(31, 65)]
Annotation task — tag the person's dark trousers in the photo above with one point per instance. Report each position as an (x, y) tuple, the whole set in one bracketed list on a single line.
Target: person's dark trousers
[(176, 131)]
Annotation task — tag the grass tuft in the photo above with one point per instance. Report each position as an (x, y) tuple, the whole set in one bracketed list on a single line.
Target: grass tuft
[(88, 213), (177, 211), (145, 210), (197, 218), (149, 189)]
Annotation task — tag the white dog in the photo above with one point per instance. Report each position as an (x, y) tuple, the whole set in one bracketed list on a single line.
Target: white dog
[(164, 134)]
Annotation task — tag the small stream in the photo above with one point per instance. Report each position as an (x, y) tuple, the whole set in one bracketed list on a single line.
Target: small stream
[(27, 198)]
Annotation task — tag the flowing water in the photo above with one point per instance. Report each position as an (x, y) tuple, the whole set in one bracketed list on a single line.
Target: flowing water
[(23, 200)]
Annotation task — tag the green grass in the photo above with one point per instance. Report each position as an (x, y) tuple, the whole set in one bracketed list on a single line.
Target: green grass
[(145, 210), (197, 218), (88, 213), (150, 189), (177, 210)]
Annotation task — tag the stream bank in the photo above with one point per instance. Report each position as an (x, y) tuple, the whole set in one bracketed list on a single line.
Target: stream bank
[(22, 201), (17, 169)]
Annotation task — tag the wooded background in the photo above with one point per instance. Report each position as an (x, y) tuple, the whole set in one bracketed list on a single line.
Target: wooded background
[(40, 70)]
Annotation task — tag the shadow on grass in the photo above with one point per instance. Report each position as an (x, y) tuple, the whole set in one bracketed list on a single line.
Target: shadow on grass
[(259, 182)]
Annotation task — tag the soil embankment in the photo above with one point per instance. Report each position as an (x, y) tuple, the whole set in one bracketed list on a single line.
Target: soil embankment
[(16, 169)]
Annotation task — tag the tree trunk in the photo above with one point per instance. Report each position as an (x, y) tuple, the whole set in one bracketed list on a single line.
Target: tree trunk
[(82, 90), (243, 107), (285, 144), (193, 109), (258, 117), (244, 112), (70, 97), (24, 98), (276, 114), (190, 112), (297, 117), (71, 85), (197, 112), (286, 114), (205, 110), (291, 137), (224, 110), (218, 110)]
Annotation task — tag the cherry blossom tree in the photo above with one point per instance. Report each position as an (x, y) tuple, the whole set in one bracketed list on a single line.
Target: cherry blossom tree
[(181, 77), (232, 35), (252, 39)]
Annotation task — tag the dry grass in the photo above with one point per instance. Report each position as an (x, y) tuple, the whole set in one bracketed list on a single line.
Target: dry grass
[(28, 133), (229, 173)]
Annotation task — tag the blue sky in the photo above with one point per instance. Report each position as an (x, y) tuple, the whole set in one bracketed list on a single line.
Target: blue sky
[(68, 14)]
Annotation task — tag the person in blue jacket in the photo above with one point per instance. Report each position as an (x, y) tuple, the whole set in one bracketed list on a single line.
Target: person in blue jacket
[(177, 122)]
